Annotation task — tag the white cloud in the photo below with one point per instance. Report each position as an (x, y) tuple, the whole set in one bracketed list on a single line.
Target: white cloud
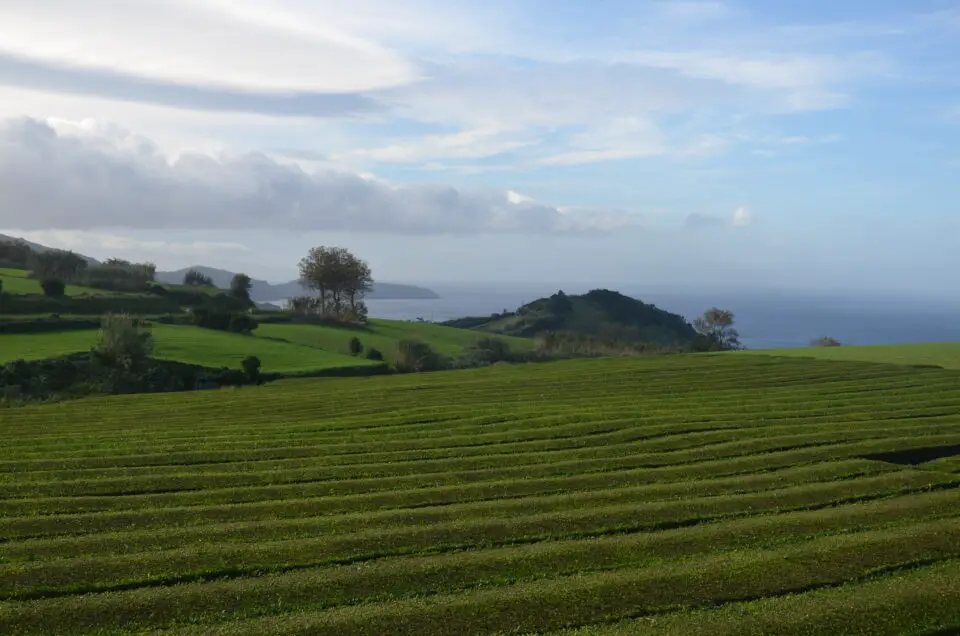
[(90, 243), (246, 46), (108, 178), (742, 217)]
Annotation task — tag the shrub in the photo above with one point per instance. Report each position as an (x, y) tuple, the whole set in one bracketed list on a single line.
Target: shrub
[(243, 323), (53, 287), (488, 350), (122, 343), (374, 354), (415, 357), (356, 347), (825, 341), (251, 366)]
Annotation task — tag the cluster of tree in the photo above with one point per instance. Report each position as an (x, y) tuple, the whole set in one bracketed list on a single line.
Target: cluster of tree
[(57, 264), (715, 331), (233, 321), (195, 278), (119, 275), (339, 279), (15, 255)]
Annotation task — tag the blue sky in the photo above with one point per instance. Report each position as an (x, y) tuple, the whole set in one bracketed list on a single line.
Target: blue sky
[(774, 142)]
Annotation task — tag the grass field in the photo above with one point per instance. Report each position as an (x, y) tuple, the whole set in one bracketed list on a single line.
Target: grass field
[(15, 281), (192, 345), (383, 335), (944, 354), (672, 495)]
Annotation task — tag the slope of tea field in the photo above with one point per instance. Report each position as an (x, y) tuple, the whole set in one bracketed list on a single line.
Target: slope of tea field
[(193, 345), (384, 335), (943, 354), (673, 495)]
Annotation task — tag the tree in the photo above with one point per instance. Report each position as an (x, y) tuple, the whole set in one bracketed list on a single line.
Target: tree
[(243, 323), (356, 347), (251, 366), (340, 280), (122, 342), (374, 354), (59, 264), (53, 287), (240, 287), (825, 341), (716, 332), (196, 278)]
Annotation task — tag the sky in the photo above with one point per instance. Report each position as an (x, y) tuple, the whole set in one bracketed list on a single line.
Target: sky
[(767, 143)]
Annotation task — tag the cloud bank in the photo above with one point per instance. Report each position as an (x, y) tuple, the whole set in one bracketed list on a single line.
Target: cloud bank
[(67, 176)]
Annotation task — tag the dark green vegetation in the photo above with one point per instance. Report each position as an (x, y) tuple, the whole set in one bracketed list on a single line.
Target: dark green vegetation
[(601, 318), (682, 494)]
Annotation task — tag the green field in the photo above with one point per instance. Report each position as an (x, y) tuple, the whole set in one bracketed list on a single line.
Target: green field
[(668, 495), (944, 354), (15, 281), (383, 335), (192, 345)]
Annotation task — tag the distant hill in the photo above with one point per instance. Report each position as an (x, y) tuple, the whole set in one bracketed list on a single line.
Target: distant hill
[(36, 247), (602, 313), (262, 291)]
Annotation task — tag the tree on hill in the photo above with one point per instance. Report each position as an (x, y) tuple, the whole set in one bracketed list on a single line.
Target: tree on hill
[(240, 287), (716, 331), (116, 274), (57, 264), (340, 279), (16, 255), (196, 278)]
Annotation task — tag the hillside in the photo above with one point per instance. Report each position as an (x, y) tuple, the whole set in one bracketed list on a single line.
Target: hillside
[(942, 354), (675, 494), (603, 313), (264, 291), (383, 335)]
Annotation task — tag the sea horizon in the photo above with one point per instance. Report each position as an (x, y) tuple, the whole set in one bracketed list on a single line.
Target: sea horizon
[(766, 319)]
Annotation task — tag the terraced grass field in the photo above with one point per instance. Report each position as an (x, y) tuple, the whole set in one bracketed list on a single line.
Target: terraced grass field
[(192, 345), (384, 335), (673, 495), (944, 354)]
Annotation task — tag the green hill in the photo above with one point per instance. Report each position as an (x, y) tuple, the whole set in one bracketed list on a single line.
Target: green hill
[(677, 495), (601, 313)]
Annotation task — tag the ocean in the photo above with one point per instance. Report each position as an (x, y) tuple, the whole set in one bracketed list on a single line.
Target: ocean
[(766, 319)]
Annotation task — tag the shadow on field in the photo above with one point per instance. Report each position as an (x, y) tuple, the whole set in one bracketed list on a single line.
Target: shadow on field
[(914, 456)]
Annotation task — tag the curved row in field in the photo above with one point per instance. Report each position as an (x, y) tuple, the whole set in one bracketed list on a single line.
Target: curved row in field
[(660, 495)]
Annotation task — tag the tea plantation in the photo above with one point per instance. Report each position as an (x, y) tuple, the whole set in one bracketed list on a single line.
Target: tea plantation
[(710, 494)]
